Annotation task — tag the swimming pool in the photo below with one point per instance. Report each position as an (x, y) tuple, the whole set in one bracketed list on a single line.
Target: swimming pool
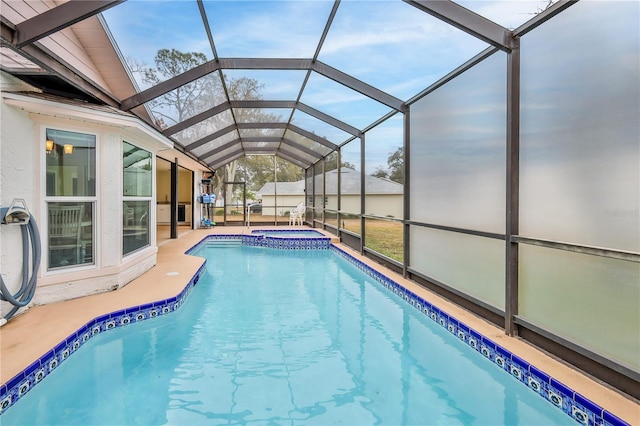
[(343, 335)]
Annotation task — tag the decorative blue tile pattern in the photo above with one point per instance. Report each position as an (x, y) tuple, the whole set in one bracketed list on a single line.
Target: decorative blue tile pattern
[(23, 382), (287, 243), (273, 242), (573, 404)]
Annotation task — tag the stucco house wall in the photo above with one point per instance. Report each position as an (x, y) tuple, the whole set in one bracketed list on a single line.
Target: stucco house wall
[(24, 119), (280, 205), (388, 205)]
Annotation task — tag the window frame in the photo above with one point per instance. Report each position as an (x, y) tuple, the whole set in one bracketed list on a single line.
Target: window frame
[(49, 199), (136, 199)]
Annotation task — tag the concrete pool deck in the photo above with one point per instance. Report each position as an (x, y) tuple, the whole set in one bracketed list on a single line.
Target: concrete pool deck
[(28, 336)]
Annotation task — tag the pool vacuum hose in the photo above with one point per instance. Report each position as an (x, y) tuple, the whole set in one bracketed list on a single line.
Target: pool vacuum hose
[(28, 286)]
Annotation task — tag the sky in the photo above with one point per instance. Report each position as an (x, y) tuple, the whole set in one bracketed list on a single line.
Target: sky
[(389, 45)]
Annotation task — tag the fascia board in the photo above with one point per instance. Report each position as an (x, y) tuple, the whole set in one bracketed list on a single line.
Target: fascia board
[(76, 112)]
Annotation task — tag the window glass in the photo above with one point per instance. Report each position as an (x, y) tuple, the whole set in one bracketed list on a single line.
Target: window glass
[(137, 165), (135, 225), (70, 169), (70, 234), (70, 164), (137, 168)]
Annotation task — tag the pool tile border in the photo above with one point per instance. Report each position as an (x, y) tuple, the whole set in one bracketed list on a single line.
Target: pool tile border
[(23, 382), (274, 242), (570, 402), (286, 243)]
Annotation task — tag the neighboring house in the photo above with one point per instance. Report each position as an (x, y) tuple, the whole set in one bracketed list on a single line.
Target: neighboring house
[(281, 197), (383, 196)]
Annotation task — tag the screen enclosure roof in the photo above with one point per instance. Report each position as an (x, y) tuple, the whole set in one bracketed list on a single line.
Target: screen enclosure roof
[(224, 79)]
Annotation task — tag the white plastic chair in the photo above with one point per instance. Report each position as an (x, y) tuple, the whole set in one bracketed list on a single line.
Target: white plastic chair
[(296, 214), (65, 230), (129, 216)]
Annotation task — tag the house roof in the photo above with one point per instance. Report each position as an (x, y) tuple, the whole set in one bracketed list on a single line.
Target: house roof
[(349, 183), (284, 188)]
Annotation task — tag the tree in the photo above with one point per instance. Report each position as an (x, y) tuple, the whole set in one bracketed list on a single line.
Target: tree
[(186, 100), (332, 163), (380, 172), (195, 97), (396, 165)]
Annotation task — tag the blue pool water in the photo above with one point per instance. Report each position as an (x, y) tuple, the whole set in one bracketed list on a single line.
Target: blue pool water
[(282, 337)]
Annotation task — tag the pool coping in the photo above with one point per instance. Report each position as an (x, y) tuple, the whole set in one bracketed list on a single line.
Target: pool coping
[(554, 391)]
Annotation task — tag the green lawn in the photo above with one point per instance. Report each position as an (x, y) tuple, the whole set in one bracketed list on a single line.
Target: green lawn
[(383, 236)]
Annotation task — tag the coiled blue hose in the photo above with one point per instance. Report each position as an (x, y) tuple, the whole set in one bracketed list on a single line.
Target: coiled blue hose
[(30, 238)]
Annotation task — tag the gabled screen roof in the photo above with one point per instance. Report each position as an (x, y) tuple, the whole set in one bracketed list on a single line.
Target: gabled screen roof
[(295, 79)]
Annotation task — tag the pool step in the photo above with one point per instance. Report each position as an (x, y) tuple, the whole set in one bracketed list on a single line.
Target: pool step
[(223, 243)]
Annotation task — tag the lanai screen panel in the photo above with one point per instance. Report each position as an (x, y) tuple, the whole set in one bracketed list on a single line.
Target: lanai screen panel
[(350, 191), (224, 161), (222, 153), (394, 46), (580, 150), (341, 102), (384, 169), (509, 14), (471, 264), (318, 194), (291, 151), (222, 141), (188, 100), (267, 146), (142, 28), (309, 143), (331, 189), (384, 188), (249, 115), (267, 29), (319, 127), (458, 147), (458, 180), (264, 84), (203, 128), (255, 133), (580, 177)]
